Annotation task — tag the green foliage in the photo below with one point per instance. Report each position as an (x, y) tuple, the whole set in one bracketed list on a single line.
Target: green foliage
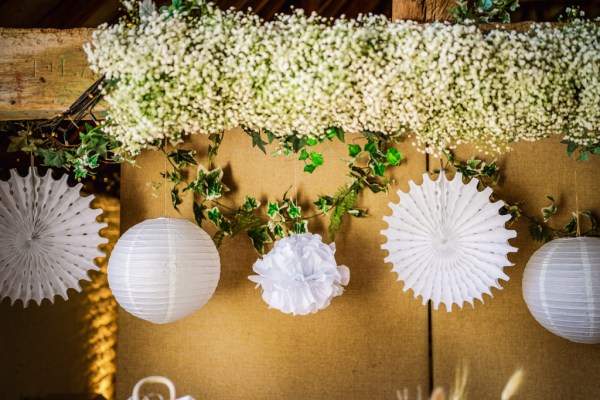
[(483, 11), (23, 142), (344, 200), (82, 157), (181, 158), (539, 227), (583, 152)]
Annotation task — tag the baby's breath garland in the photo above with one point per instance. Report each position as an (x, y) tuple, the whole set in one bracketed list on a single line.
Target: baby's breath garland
[(192, 68)]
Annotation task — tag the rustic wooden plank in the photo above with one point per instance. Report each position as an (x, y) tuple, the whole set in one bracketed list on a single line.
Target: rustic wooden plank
[(42, 71), (421, 10)]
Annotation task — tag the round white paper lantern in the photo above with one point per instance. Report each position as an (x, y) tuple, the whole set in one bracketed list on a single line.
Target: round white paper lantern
[(163, 269), (561, 287)]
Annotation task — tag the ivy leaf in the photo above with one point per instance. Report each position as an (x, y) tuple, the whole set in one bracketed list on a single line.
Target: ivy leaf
[(182, 157), (489, 170), (324, 204), (393, 156), (310, 168), (379, 168), (175, 198), (354, 150), (333, 131), (23, 142), (270, 136), (549, 211), (473, 163), (250, 203), (276, 229), (259, 236), (303, 155), (572, 225), (311, 141), (536, 232), (52, 158), (294, 211), (273, 209), (316, 158), (213, 190), (300, 227), (588, 214), (371, 147), (257, 140), (571, 147), (199, 212), (214, 215)]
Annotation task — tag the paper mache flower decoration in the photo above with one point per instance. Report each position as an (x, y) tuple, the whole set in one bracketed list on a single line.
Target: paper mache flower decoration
[(49, 237), (300, 275), (447, 241)]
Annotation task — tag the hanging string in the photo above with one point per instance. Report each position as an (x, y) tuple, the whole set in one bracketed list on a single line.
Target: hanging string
[(578, 232), (32, 197), (296, 184), (165, 181)]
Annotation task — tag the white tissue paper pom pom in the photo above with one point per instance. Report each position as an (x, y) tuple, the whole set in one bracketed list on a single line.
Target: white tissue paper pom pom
[(300, 275)]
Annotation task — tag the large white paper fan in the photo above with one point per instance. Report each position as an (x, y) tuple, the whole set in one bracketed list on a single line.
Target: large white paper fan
[(49, 237), (447, 241)]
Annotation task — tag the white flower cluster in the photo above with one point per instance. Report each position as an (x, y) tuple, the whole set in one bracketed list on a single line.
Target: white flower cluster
[(300, 275), (173, 75)]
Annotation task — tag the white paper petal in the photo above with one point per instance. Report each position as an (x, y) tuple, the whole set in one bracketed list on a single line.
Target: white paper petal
[(447, 241), (49, 237), (300, 275)]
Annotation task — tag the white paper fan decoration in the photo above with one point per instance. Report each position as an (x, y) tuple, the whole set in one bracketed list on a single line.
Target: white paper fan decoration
[(49, 237), (447, 241)]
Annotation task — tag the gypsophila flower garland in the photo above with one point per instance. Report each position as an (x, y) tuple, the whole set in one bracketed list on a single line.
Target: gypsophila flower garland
[(175, 73)]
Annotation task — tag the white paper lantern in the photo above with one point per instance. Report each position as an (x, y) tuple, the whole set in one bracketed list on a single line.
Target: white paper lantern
[(164, 269), (49, 237), (300, 275), (447, 241), (561, 286)]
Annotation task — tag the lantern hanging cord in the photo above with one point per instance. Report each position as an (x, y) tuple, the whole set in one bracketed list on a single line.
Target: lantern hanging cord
[(33, 194), (578, 231), (165, 181), (296, 185)]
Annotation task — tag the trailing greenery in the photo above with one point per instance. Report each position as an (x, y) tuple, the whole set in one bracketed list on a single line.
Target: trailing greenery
[(540, 228), (483, 11), (61, 142), (368, 160)]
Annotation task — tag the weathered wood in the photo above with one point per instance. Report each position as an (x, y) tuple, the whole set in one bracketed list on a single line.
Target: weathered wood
[(421, 10), (42, 71)]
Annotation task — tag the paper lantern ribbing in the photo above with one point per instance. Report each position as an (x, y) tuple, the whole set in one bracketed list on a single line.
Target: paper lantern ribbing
[(561, 286), (300, 275), (49, 237), (447, 241), (164, 269)]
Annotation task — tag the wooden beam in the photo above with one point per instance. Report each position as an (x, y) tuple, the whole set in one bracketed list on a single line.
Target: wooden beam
[(42, 71), (421, 10)]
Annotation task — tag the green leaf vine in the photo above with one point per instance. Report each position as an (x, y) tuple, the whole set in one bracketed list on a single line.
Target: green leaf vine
[(61, 142), (281, 217), (540, 228), (483, 11)]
